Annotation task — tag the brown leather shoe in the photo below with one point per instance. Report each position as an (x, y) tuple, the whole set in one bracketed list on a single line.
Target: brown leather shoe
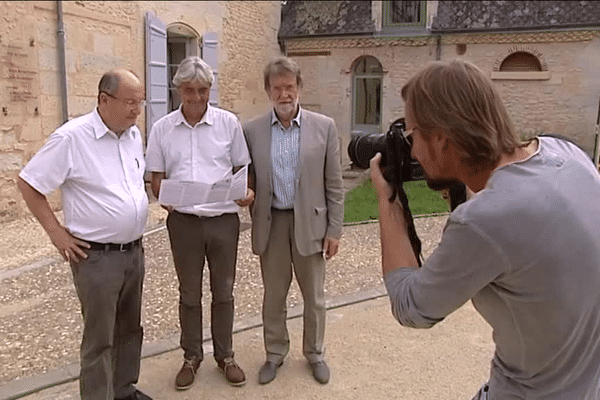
[(187, 374), (233, 373)]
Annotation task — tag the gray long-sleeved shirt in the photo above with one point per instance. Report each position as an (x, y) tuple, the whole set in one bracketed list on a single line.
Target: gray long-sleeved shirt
[(526, 250)]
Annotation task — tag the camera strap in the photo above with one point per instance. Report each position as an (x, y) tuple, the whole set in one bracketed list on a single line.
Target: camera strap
[(415, 242)]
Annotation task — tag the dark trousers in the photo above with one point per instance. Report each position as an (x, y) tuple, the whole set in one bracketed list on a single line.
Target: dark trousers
[(109, 286), (482, 394), (194, 239)]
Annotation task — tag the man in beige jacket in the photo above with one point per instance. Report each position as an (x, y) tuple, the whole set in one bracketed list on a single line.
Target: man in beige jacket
[(297, 214)]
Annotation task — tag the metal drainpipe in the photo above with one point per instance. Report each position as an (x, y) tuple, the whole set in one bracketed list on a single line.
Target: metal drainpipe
[(62, 65)]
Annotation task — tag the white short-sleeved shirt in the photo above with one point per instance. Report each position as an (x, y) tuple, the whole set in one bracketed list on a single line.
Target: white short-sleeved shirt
[(206, 152), (101, 177)]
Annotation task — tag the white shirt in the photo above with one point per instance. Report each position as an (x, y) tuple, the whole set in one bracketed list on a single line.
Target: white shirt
[(101, 177), (206, 152)]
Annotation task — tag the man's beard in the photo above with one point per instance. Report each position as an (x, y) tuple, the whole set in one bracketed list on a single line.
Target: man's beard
[(440, 184), (286, 109)]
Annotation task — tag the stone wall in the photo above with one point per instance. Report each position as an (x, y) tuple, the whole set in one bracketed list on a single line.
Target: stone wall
[(101, 35), (249, 43), (565, 103)]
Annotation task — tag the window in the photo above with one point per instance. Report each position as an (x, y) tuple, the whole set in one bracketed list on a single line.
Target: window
[(182, 42), (521, 64), (403, 14), (367, 95), (521, 61), (165, 49)]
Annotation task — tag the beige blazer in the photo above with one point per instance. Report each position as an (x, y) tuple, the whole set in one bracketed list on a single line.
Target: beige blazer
[(319, 205)]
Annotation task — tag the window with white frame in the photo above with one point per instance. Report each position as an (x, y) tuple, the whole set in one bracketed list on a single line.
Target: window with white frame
[(367, 95)]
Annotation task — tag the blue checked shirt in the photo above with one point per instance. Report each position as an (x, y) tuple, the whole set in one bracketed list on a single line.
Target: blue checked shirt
[(285, 149)]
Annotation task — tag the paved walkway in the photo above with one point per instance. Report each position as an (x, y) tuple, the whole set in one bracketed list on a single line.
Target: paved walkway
[(370, 355)]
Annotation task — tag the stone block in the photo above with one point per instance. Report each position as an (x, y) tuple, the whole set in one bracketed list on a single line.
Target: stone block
[(50, 105), (46, 33), (84, 84), (103, 44), (79, 105), (48, 59), (31, 130), (11, 162), (50, 124), (100, 62), (49, 83), (8, 138)]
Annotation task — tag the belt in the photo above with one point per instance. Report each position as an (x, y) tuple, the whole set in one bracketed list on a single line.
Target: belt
[(115, 246)]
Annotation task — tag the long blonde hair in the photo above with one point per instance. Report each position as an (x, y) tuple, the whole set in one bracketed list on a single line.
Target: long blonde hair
[(458, 98)]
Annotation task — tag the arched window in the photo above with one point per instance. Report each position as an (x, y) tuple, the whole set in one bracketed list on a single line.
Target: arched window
[(521, 62), (367, 95)]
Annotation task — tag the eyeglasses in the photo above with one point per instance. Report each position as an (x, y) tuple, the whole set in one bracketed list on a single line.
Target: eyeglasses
[(132, 104)]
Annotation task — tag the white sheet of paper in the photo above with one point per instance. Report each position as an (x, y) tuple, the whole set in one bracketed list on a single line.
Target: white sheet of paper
[(186, 193)]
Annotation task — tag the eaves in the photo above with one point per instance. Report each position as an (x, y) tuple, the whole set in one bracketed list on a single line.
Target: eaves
[(325, 35), (563, 27)]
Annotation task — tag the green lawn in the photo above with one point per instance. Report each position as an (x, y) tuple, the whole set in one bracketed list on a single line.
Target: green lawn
[(361, 202)]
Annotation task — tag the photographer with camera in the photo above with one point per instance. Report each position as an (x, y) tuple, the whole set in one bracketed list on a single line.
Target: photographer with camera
[(525, 248)]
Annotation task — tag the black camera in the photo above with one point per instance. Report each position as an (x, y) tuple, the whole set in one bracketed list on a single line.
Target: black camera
[(397, 167), (395, 153)]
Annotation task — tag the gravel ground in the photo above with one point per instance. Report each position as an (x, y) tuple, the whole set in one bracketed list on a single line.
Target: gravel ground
[(40, 320)]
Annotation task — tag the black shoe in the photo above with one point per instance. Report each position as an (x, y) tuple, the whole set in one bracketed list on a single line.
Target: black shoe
[(320, 372), (137, 395), (267, 372)]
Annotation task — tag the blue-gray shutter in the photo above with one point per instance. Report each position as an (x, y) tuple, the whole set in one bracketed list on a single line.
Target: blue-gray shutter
[(157, 85), (210, 56)]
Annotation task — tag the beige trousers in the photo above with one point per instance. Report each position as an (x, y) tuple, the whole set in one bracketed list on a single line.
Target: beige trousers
[(277, 263)]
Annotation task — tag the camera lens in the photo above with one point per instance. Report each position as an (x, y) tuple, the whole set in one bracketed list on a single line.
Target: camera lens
[(364, 146)]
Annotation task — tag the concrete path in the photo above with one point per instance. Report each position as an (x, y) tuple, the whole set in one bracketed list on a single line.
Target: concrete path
[(371, 357)]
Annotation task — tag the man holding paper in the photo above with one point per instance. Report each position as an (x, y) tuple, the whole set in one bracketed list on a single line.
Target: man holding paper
[(201, 143)]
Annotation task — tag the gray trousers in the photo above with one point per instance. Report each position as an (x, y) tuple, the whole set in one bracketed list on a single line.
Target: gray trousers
[(109, 286), (276, 267), (482, 394), (194, 239)]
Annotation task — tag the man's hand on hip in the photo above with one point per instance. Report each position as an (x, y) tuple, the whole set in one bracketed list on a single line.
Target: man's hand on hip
[(69, 247)]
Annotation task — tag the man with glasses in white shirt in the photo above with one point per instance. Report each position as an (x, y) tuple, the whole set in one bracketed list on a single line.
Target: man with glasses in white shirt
[(97, 160)]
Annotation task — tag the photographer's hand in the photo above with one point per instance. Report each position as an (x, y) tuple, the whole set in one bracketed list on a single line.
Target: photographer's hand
[(396, 249), (384, 189)]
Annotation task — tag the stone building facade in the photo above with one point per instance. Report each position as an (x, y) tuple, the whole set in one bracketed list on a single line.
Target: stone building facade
[(239, 37), (542, 55)]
